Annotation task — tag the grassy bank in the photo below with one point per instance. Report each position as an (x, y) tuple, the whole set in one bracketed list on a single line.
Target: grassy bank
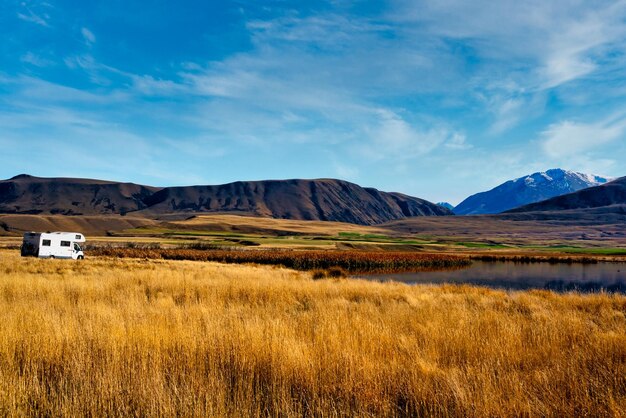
[(112, 337), (547, 258)]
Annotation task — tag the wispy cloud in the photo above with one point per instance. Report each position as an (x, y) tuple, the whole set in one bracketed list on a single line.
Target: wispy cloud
[(34, 11), (36, 60), (568, 138), (560, 38), (573, 51), (95, 131), (457, 142), (88, 35), (319, 79), (407, 87), (392, 136), (346, 172), (522, 51), (34, 91), (31, 17)]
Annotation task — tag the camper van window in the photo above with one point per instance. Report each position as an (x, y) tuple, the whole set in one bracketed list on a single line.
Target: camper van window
[(65, 243), (77, 247), (45, 243), (78, 236)]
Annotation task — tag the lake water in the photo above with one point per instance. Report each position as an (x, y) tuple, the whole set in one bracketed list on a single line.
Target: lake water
[(518, 276)]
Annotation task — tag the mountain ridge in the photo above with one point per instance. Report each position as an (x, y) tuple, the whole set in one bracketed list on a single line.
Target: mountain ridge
[(609, 197), (317, 199), (528, 189)]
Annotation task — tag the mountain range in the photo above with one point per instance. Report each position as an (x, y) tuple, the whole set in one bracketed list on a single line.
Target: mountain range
[(609, 197), (322, 199), (527, 190)]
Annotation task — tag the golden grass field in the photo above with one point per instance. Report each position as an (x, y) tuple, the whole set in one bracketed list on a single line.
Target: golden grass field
[(249, 224), (120, 337)]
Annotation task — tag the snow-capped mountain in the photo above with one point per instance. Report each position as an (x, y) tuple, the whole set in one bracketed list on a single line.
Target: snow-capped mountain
[(604, 199), (529, 189)]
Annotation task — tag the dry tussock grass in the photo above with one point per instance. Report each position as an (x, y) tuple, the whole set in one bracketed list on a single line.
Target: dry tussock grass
[(112, 337)]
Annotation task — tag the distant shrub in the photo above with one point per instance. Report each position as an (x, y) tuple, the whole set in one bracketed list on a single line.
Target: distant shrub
[(332, 272), (202, 246), (348, 261), (336, 272), (249, 243), (318, 274), (144, 246)]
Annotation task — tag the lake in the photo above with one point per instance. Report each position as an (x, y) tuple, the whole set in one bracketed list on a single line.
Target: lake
[(561, 277)]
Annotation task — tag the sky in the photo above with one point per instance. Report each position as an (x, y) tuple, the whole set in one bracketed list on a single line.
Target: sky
[(435, 99)]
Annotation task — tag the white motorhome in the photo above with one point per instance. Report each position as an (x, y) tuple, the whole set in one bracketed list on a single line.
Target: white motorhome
[(53, 245)]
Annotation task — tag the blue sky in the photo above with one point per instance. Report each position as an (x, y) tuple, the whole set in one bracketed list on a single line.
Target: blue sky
[(437, 99)]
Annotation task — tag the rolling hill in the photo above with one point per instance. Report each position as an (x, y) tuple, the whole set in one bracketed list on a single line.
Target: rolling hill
[(526, 190), (322, 199)]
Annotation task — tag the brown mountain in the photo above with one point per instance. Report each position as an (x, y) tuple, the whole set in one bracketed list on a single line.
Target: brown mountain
[(324, 199), (67, 196), (604, 199)]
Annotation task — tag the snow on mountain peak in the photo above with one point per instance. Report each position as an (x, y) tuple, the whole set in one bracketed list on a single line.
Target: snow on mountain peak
[(528, 189), (557, 174), (546, 176)]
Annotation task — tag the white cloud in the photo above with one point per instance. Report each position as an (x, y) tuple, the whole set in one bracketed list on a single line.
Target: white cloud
[(391, 136), (380, 88), (34, 91), (88, 35), (86, 62), (150, 86), (396, 135), (560, 38), (571, 50), (99, 73), (31, 17), (319, 79), (346, 172), (330, 32), (507, 111), (510, 107), (522, 51), (569, 138), (457, 142), (35, 60)]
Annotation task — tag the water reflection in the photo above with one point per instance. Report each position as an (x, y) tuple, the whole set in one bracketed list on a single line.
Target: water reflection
[(609, 277)]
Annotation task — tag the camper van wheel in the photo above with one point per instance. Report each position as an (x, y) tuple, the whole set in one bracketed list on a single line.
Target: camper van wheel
[(80, 257), (52, 257)]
